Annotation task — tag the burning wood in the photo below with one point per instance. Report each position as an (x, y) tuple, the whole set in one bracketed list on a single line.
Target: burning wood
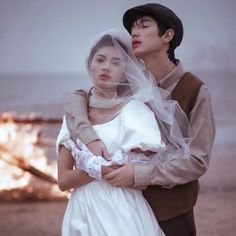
[(21, 163), (27, 118), (25, 171)]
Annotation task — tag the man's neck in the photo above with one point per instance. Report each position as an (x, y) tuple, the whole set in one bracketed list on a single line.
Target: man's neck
[(159, 66)]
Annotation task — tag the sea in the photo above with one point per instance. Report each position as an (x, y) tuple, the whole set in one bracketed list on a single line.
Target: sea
[(44, 94)]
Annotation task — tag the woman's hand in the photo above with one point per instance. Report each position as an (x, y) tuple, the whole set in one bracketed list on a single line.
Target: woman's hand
[(108, 169), (86, 160)]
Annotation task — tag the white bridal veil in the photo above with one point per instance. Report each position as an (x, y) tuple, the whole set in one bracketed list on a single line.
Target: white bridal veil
[(137, 83)]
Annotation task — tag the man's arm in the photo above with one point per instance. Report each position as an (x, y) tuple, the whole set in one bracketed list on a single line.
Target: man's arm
[(181, 169), (76, 112), (79, 126), (67, 176)]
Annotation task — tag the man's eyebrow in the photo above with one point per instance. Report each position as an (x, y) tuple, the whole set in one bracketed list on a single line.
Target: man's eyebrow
[(141, 20), (145, 18)]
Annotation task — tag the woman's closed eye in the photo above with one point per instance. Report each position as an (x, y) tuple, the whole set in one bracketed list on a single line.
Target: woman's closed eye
[(100, 59), (144, 26), (116, 62), (141, 24)]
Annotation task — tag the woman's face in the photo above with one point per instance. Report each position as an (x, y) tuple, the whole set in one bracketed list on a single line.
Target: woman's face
[(107, 68)]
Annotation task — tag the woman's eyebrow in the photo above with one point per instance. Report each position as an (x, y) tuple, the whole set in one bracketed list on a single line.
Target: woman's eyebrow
[(113, 58), (100, 55), (116, 58)]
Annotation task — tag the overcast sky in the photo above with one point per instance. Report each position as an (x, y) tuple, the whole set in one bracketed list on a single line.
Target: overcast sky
[(52, 36)]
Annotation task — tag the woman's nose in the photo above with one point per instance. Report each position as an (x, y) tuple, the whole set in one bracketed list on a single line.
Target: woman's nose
[(106, 66)]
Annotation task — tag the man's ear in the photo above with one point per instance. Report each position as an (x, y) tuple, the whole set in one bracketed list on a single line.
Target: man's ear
[(168, 35)]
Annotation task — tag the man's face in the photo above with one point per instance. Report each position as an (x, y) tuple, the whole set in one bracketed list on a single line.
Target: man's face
[(145, 37)]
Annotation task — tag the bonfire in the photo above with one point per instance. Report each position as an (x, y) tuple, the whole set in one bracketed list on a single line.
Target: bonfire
[(26, 173)]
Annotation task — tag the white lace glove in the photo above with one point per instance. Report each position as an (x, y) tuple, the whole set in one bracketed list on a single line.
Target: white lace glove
[(85, 160)]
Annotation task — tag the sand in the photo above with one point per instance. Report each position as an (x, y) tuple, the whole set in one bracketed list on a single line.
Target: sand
[(215, 211)]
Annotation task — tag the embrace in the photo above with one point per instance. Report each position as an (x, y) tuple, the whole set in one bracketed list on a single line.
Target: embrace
[(134, 146)]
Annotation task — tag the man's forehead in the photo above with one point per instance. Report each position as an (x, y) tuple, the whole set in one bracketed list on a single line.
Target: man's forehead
[(142, 19)]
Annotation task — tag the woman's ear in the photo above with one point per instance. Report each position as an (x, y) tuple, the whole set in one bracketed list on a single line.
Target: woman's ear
[(168, 35)]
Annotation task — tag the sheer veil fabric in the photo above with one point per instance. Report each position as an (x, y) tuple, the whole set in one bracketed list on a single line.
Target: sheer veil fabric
[(139, 84)]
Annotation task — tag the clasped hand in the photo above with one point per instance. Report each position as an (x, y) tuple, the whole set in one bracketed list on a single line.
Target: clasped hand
[(118, 175)]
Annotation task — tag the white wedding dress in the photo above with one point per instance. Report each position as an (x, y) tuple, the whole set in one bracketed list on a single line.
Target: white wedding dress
[(98, 209)]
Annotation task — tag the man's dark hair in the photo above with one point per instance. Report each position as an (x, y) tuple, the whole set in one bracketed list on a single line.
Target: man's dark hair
[(165, 19)]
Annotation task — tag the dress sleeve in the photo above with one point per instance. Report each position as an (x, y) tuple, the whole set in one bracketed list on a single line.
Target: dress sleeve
[(84, 159), (63, 136), (76, 113)]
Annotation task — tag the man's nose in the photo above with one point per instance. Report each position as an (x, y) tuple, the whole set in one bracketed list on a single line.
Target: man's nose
[(135, 32)]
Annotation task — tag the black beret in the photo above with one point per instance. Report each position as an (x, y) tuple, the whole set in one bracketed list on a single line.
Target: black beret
[(163, 15)]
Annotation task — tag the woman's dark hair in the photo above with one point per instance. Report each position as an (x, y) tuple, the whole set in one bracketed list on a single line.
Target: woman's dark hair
[(106, 40)]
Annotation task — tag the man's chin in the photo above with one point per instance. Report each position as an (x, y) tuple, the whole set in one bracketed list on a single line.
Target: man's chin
[(138, 53)]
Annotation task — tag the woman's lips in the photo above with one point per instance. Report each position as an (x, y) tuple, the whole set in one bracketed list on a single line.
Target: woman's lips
[(104, 77)]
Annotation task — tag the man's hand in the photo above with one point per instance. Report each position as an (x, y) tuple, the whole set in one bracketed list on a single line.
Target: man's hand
[(98, 148), (121, 177)]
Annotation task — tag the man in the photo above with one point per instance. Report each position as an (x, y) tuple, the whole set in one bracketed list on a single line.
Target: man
[(156, 31)]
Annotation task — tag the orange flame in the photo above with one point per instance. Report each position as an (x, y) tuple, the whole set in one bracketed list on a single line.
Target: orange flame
[(18, 144)]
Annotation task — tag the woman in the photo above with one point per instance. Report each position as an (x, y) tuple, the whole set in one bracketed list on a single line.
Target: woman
[(123, 122)]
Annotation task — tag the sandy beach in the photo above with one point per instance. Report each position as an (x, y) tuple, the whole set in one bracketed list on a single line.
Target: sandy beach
[(214, 215), (215, 211)]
